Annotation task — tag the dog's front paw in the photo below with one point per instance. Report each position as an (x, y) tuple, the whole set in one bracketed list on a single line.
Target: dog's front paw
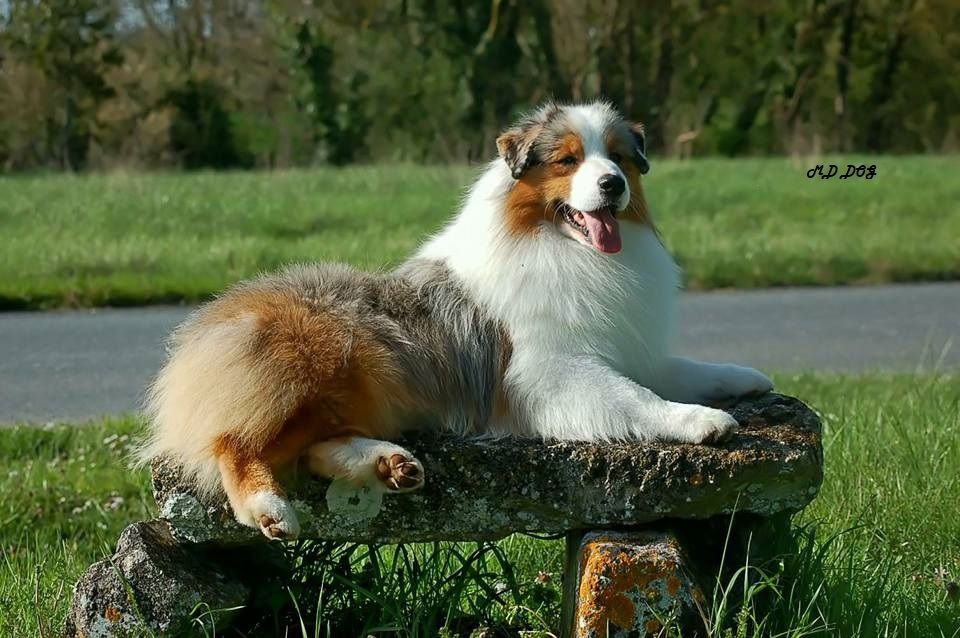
[(700, 424), (736, 381)]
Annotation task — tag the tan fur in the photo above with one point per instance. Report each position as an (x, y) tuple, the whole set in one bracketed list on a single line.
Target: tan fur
[(531, 201), (258, 378), (243, 473), (636, 211), (501, 405)]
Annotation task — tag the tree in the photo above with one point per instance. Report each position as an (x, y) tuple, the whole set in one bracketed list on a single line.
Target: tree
[(71, 44), (236, 83)]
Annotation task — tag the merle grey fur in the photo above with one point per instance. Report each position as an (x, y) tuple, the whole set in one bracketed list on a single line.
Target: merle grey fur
[(535, 137), (451, 355)]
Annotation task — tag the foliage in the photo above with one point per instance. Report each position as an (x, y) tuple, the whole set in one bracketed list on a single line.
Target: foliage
[(292, 83), (201, 133), (70, 48)]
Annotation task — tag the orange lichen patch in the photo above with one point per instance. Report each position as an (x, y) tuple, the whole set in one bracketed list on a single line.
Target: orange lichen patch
[(609, 574), (531, 202), (112, 614), (653, 626), (673, 585)]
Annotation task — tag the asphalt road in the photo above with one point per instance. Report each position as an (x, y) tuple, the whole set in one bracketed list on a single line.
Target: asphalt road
[(80, 364)]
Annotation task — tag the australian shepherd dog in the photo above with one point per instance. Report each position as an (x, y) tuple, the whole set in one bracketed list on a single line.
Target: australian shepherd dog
[(544, 309)]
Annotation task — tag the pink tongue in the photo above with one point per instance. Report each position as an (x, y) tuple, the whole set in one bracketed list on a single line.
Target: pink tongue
[(604, 231)]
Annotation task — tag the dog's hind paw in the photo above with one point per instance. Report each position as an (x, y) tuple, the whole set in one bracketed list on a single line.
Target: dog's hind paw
[(274, 516), (400, 473)]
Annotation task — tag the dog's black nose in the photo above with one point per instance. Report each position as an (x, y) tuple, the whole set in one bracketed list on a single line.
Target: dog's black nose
[(611, 185)]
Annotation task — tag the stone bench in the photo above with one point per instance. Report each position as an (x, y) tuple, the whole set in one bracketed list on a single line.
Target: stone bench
[(626, 510)]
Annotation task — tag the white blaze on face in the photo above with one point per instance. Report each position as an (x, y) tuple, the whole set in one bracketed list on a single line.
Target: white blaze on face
[(590, 123), (585, 192)]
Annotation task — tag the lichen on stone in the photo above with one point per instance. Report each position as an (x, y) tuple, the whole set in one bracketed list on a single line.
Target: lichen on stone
[(487, 489)]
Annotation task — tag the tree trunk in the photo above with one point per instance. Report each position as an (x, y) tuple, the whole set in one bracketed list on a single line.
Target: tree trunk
[(878, 129), (657, 133), (842, 142)]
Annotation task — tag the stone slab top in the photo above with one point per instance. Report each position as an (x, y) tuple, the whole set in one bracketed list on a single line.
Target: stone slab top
[(484, 489)]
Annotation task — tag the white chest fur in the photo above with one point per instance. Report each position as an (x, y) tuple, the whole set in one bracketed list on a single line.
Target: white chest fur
[(557, 296)]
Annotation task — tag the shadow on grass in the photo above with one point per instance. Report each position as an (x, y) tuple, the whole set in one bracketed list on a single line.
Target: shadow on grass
[(842, 584), (839, 585), (430, 589)]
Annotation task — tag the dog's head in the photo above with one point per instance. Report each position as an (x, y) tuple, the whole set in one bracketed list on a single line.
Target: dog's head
[(578, 171)]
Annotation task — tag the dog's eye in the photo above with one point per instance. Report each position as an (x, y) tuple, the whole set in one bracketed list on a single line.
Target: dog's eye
[(616, 158), (568, 160)]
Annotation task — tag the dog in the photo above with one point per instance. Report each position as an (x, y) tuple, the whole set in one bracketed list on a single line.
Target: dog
[(543, 309)]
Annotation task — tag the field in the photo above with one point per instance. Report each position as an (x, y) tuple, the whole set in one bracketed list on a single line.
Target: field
[(121, 239), (879, 550)]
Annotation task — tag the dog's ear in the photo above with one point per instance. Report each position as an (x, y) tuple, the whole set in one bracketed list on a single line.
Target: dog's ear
[(640, 147), (515, 146)]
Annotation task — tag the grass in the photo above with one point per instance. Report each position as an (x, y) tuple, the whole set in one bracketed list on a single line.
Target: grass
[(65, 494), (876, 551), (124, 239)]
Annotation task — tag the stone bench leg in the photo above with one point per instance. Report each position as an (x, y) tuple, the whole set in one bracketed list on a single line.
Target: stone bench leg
[(151, 584), (636, 583)]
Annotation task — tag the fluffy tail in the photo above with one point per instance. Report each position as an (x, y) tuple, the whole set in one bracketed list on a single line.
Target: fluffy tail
[(214, 384)]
